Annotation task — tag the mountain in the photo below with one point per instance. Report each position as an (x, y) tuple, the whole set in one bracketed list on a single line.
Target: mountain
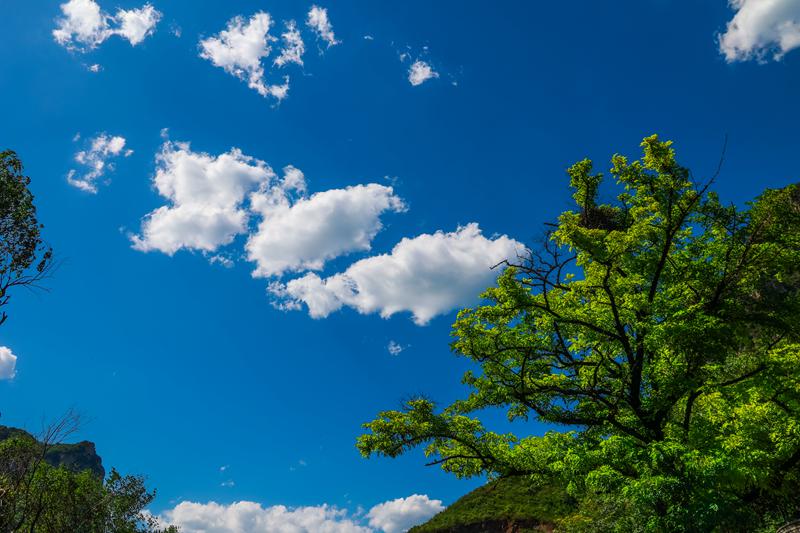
[(506, 505), (77, 457)]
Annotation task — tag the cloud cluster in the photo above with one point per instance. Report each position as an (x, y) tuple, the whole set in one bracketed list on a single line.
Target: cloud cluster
[(8, 363), (420, 72), (395, 516), (84, 25), (96, 161), (213, 199), (427, 275), (400, 515), (206, 195), (251, 517), (761, 28), (243, 46)]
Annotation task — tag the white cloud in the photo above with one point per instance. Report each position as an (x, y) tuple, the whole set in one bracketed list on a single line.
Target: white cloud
[(206, 194), (239, 50), (136, 24), (84, 25), (420, 72), (395, 348), (318, 21), (398, 516), (394, 516), (97, 160), (8, 363), (293, 46), (427, 275), (212, 199), (760, 28), (222, 260), (96, 67), (251, 517), (305, 234)]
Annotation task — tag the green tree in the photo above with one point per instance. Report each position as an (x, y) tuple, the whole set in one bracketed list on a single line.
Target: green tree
[(24, 258), (36, 496), (662, 332)]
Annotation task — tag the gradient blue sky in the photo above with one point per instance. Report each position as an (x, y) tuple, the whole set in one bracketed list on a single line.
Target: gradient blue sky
[(181, 366)]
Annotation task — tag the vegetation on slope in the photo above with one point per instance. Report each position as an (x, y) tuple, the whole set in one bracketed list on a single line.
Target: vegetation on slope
[(506, 504)]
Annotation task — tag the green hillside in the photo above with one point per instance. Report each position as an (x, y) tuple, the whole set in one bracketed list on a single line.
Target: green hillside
[(508, 504)]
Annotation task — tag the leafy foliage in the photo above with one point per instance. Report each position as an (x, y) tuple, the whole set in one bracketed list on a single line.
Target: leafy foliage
[(663, 332), (37, 496), (24, 258)]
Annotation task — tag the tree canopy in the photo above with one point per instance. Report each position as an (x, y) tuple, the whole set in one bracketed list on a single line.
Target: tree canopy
[(38, 496), (661, 333), (24, 257)]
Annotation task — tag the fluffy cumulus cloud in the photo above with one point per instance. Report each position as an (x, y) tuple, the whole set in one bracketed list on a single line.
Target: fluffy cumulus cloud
[(305, 233), (398, 516), (427, 275), (8, 363), (96, 160), (420, 72), (760, 29), (251, 517), (319, 22), (239, 50), (205, 195), (212, 199), (394, 516), (136, 24), (84, 25)]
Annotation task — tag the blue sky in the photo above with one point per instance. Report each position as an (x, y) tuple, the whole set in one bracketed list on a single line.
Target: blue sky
[(216, 382)]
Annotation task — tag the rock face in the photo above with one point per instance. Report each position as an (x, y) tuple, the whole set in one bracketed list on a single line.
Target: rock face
[(76, 457)]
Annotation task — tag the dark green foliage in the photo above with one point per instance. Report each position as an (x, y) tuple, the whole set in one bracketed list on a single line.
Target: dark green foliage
[(24, 258)]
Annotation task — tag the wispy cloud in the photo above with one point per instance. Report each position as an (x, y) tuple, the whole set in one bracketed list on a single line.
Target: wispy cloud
[(318, 21), (293, 46), (96, 160), (395, 348)]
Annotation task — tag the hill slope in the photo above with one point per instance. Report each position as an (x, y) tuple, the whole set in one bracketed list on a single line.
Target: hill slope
[(507, 505)]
